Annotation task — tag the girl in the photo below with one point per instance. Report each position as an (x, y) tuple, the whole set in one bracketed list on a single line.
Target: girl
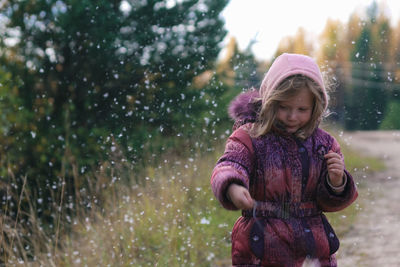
[(283, 171)]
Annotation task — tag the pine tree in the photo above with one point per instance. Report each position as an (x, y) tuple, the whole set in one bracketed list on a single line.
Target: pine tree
[(367, 99), (103, 76)]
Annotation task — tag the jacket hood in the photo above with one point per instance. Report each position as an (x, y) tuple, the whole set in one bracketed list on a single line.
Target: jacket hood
[(244, 107), (288, 65)]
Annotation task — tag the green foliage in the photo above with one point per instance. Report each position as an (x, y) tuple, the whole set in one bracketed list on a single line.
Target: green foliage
[(87, 78), (391, 120), (366, 100), (367, 97), (245, 66)]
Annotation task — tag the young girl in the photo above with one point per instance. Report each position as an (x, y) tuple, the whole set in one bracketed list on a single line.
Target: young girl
[(282, 171)]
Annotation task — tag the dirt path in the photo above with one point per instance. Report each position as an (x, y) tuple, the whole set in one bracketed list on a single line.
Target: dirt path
[(375, 238)]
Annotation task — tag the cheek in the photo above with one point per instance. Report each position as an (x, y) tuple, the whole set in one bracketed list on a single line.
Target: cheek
[(306, 117), (280, 115)]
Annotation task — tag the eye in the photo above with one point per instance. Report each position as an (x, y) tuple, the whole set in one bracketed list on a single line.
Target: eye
[(282, 107)]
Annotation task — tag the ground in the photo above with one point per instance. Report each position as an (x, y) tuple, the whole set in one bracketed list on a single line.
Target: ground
[(374, 239)]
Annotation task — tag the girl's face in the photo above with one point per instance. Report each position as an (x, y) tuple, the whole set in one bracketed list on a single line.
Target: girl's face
[(295, 112)]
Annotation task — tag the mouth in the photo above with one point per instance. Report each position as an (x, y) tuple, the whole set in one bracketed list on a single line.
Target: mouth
[(290, 128), (287, 127)]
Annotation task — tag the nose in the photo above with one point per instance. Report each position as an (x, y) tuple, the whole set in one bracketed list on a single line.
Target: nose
[(292, 115)]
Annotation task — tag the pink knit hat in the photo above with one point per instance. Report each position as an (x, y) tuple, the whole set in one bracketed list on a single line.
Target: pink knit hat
[(287, 65)]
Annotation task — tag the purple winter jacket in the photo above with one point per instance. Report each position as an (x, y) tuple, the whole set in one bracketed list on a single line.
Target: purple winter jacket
[(287, 179)]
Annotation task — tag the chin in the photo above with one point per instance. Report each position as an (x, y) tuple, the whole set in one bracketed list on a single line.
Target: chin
[(291, 130)]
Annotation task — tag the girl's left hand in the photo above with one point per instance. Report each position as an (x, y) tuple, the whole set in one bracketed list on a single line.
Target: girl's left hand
[(335, 168)]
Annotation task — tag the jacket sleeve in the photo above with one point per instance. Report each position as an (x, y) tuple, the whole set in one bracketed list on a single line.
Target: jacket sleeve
[(235, 166), (327, 199)]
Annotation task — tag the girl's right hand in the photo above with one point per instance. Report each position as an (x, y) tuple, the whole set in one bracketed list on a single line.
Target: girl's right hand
[(240, 197)]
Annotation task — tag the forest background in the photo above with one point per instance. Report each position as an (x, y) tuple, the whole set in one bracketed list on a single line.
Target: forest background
[(113, 112)]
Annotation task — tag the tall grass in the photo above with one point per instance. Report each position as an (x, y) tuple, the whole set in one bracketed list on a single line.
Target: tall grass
[(171, 219)]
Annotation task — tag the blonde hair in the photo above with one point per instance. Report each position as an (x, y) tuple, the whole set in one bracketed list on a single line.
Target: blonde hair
[(289, 87)]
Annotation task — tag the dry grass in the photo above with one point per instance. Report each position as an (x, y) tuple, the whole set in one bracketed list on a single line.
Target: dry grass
[(172, 219)]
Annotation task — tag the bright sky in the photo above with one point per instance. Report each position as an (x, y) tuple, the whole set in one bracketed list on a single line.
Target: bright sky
[(271, 20)]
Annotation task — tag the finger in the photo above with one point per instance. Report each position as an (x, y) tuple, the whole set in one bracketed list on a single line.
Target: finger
[(240, 203), (334, 167), (245, 205), (336, 172), (331, 153), (332, 156), (338, 165), (248, 199), (334, 161), (240, 200)]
